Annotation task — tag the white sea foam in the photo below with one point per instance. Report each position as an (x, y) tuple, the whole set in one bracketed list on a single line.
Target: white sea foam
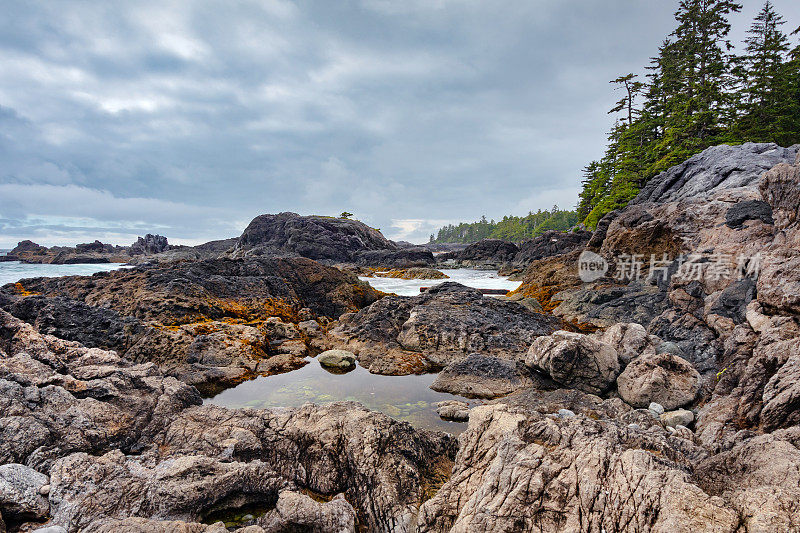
[(480, 279)]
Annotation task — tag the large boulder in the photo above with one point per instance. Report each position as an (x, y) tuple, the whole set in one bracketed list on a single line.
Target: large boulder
[(575, 360), (662, 378)]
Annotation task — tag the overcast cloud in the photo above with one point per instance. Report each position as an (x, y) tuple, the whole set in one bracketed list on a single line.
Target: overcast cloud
[(190, 118)]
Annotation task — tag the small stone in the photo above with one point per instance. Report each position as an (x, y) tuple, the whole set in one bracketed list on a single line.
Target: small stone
[(44, 490), (565, 413), (337, 358), (679, 417), (635, 427), (656, 408), (50, 529)]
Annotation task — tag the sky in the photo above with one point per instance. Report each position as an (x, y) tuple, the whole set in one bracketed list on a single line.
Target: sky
[(188, 119)]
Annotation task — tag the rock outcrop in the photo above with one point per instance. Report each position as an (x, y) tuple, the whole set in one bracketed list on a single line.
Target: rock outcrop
[(326, 239), (210, 323), (412, 273)]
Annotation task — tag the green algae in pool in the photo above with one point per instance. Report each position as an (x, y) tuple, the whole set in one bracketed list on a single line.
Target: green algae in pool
[(406, 398)]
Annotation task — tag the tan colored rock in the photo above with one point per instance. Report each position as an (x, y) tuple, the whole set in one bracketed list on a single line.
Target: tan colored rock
[(574, 360), (522, 471), (662, 378)]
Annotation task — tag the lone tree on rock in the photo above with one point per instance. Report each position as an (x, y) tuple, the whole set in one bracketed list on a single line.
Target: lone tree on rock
[(345, 214)]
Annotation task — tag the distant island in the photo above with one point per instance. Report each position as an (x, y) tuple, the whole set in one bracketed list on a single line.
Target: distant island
[(510, 228)]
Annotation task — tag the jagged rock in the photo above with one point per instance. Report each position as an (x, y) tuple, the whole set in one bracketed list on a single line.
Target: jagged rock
[(679, 417), (782, 396), (87, 488), (453, 410), (575, 360), (19, 493), (57, 397), (149, 245), (337, 358), (298, 512), (549, 401), (761, 480), (480, 376), (401, 335), (662, 378), (604, 306)]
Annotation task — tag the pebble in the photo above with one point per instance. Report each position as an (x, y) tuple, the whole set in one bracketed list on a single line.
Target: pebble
[(565, 413)]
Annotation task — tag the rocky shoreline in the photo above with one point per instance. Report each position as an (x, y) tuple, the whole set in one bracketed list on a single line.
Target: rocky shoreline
[(658, 392)]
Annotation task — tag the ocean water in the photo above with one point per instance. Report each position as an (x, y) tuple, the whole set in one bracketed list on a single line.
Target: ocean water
[(405, 398), (480, 279), (14, 271)]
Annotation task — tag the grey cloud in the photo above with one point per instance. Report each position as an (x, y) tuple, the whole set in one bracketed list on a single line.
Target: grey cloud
[(195, 117)]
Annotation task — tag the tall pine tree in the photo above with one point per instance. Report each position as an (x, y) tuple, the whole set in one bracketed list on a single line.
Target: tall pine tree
[(764, 94)]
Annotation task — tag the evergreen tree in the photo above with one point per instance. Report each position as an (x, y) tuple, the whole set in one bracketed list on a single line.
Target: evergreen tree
[(764, 95)]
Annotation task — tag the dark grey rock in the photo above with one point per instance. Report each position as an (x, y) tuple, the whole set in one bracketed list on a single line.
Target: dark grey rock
[(331, 239), (737, 215), (549, 244)]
